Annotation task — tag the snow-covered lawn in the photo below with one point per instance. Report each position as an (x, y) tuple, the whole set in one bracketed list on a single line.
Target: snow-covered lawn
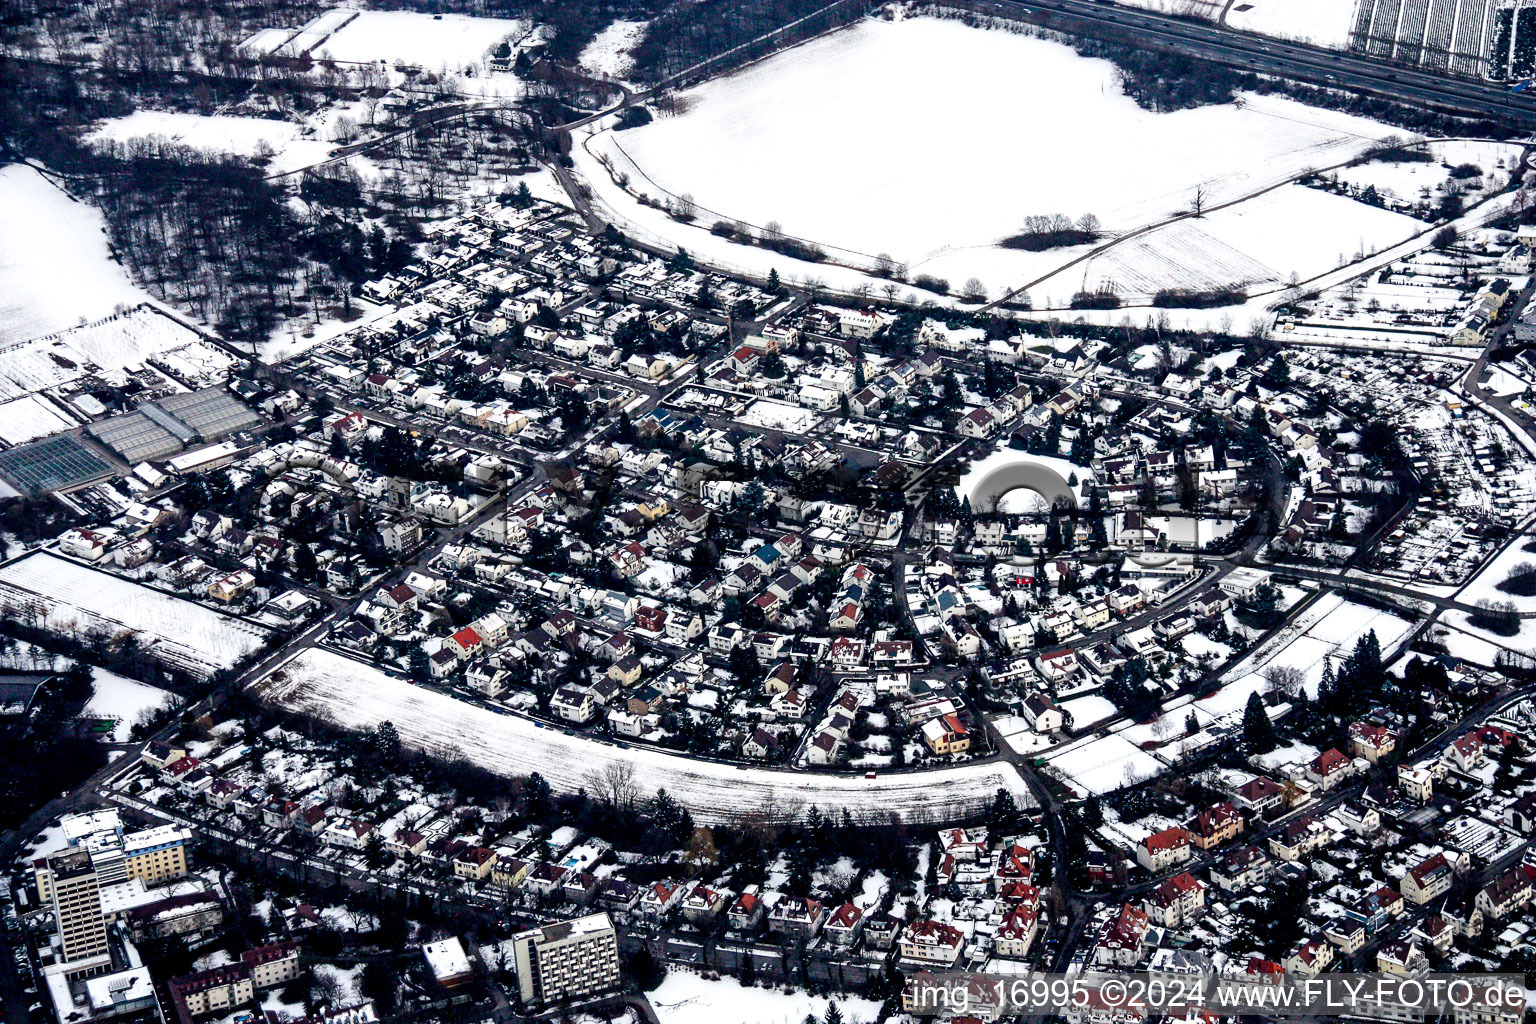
[(608, 52), (241, 136), (358, 696), (687, 998), (114, 696), (791, 419), (55, 267), (62, 596), (1087, 712), (927, 145), (431, 41)]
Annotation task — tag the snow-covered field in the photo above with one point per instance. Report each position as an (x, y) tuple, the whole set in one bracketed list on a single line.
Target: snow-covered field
[(112, 343), (791, 419), (240, 136), (358, 696), (31, 417), (62, 596), (115, 696), (907, 180), (1485, 585), (687, 998), (55, 268), (1329, 629), (1320, 22), (608, 52), (432, 41), (1102, 765), (1253, 246)]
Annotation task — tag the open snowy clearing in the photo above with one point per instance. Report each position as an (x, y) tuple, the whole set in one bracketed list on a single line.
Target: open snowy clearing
[(906, 181), (687, 998), (432, 41), (55, 266), (127, 700), (608, 52), (240, 136), (357, 696), (58, 595)]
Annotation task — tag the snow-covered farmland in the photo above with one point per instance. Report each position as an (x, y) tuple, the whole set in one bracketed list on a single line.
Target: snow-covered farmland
[(114, 342), (55, 266), (283, 141), (608, 52), (906, 181), (58, 595), (31, 417), (687, 998), (357, 696), (1253, 246), (1319, 22), (432, 41)]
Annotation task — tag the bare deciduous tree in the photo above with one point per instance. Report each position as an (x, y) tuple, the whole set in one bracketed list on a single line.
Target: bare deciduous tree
[(616, 784), (1285, 679)]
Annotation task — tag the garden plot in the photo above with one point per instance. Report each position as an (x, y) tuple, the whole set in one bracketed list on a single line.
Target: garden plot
[(56, 269), (283, 141), (1102, 765), (907, 181), (357, 696), (63, 597), (1409, 181), (120, 341)]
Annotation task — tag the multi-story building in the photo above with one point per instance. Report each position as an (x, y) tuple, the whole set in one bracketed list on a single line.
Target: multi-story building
[(214, 991), (77, 906), (566, 962), (156, 855)]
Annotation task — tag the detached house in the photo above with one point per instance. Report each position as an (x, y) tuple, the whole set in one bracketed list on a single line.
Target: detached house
[(931, 944), (1176, 902), (1163, 850)]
